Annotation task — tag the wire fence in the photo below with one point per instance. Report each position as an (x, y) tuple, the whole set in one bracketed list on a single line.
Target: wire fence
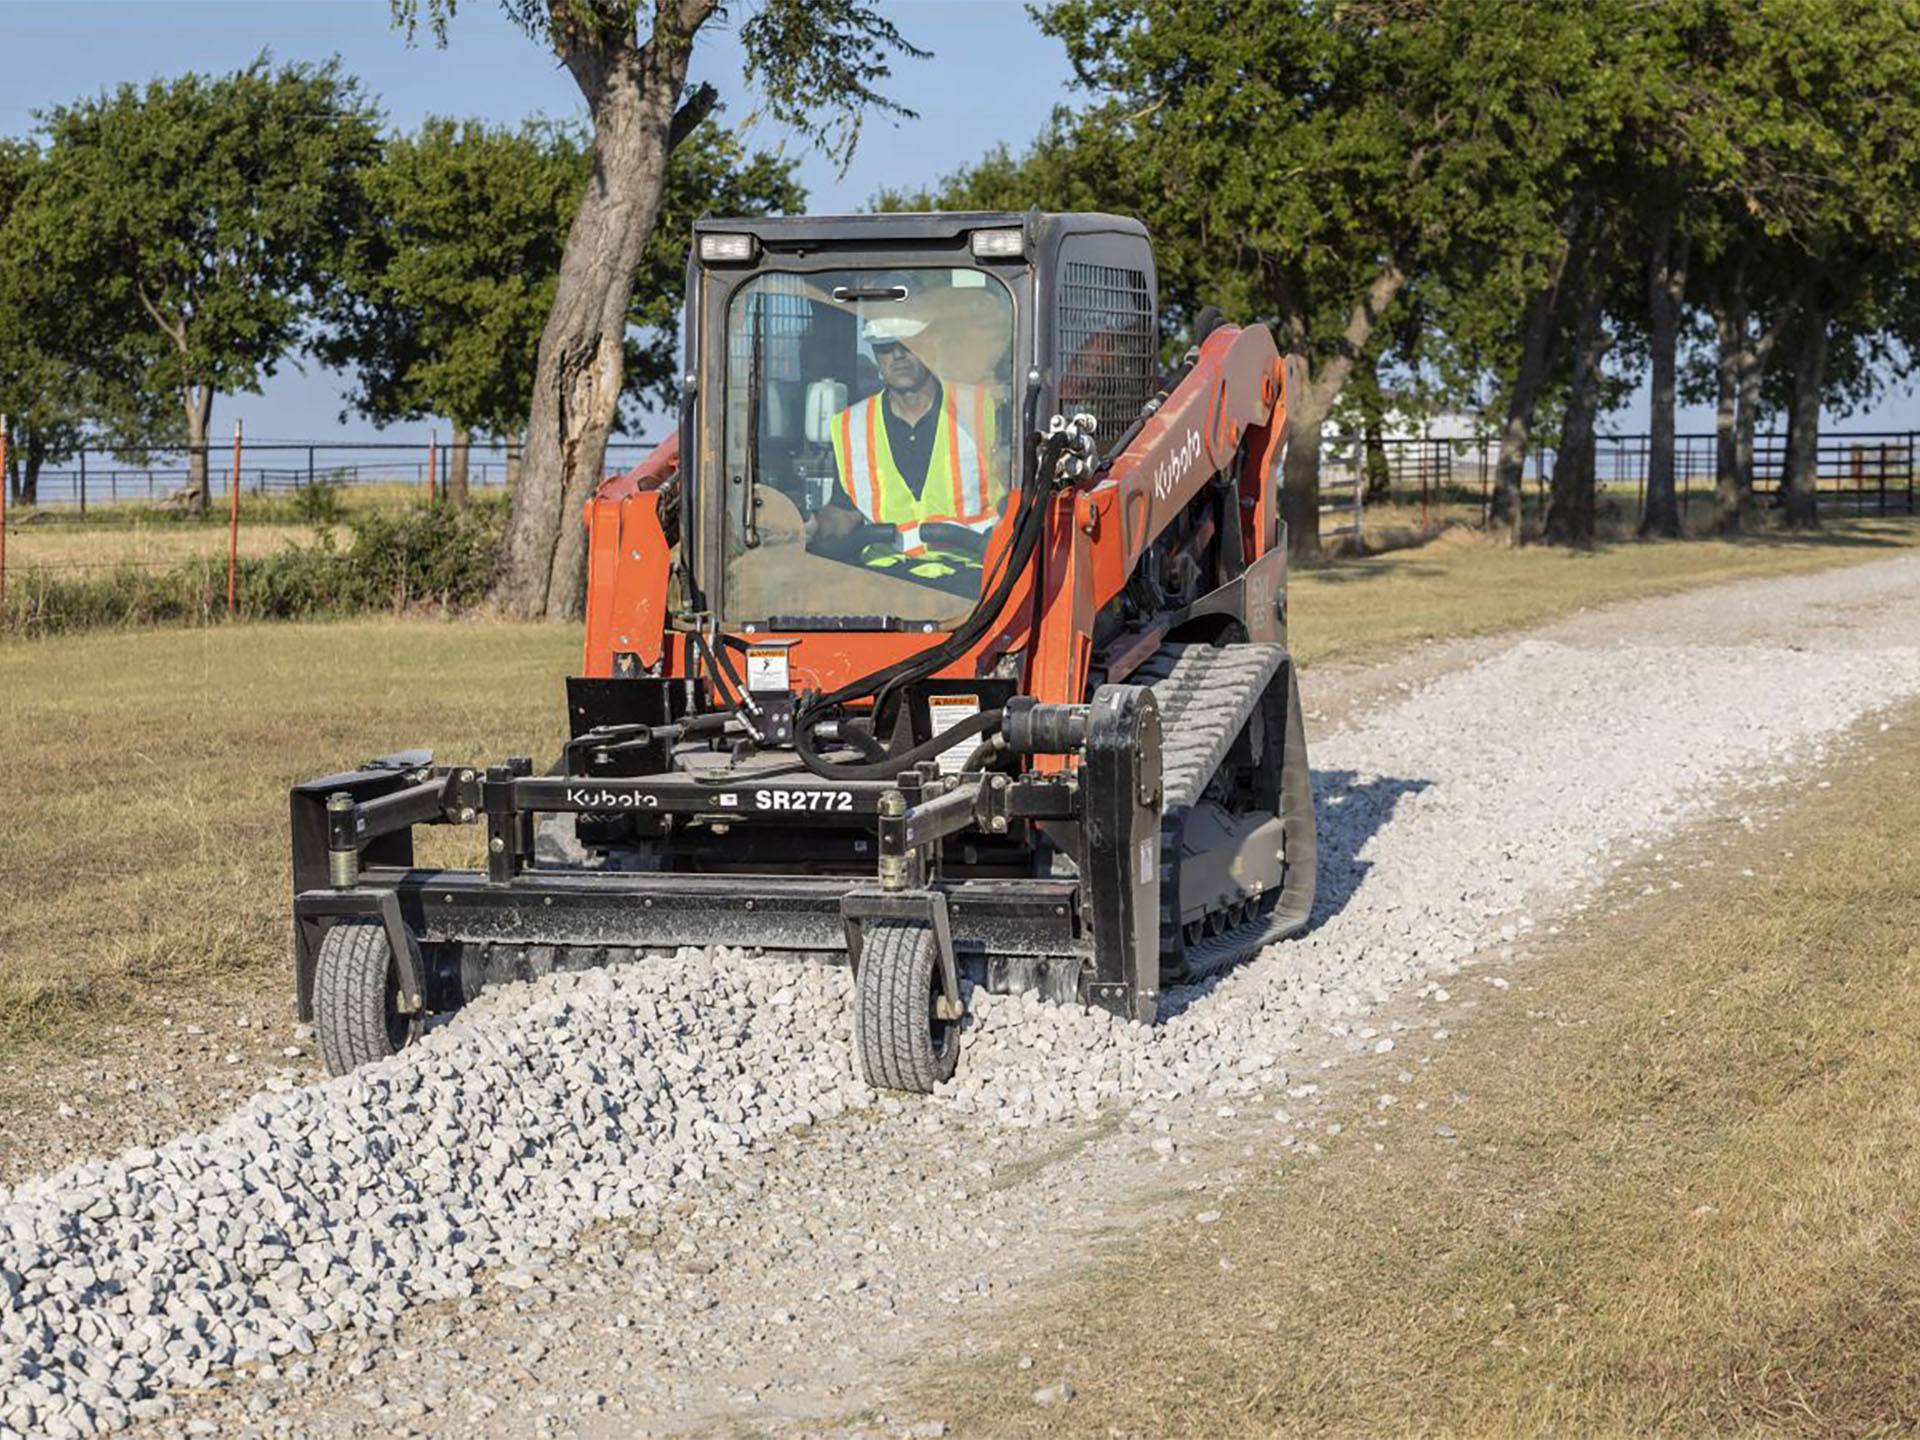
[(94, 477), (261, 494)]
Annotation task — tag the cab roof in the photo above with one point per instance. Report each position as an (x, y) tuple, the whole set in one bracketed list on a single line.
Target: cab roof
[(785, 232)]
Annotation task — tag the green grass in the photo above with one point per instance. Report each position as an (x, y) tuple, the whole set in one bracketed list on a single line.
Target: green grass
[(1677, 1199)]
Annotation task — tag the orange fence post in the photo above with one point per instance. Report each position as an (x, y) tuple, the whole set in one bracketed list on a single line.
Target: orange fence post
[(233, 529), (3, 521), (433, 462)]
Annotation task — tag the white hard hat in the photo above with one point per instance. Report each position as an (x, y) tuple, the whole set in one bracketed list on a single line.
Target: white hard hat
[(891, 329)]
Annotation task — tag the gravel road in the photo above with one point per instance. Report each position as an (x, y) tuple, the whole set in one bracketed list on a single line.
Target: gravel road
[(401, 1248)]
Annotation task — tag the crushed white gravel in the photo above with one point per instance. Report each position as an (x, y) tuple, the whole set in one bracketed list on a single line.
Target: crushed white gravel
[(1494, 790)]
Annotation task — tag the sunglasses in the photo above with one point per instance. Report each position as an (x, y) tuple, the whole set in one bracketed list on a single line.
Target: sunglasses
[(883, 348)]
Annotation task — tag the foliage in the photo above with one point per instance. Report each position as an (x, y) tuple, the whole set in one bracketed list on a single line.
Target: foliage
[(820, 64), (441, 295), (421, 557), (320, 503)]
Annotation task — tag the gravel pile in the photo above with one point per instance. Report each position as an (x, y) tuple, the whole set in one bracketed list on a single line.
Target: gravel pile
[(333, 1207), (596, 1096)]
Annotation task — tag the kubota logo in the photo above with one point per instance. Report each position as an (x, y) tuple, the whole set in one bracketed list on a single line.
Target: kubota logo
[(611, 799), (1168, 474)]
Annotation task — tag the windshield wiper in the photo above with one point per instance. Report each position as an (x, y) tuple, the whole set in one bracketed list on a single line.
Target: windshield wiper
[(751, 498)]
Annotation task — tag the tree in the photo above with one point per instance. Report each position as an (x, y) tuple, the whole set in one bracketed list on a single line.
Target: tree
[(190, 223), (441, 299), (1305, 162), (817, 62), (1808, 150), (39, 393), (441, 295), (53, 403)]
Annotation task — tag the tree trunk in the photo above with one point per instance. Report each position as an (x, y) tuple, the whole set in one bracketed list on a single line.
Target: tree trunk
[(199, 405), (457, 467), (1746, 421), (1536, 336), (1311, 398), (1803, 436), (1373, 446), (1729, 505), (32, 457), (632, 96), (1666, 289), (1300, 495), (1755, 352), (1570, 508)]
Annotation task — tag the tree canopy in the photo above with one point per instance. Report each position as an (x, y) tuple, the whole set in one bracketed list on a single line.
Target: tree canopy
[(187, 225)]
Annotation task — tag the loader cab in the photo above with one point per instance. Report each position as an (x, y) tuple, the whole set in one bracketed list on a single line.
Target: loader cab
[(861, 392)]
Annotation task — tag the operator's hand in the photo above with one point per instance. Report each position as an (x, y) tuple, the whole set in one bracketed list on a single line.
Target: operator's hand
[(836, 522)]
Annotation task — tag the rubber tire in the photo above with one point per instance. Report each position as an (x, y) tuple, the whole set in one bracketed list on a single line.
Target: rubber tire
[(901, 1045), (356, 987)]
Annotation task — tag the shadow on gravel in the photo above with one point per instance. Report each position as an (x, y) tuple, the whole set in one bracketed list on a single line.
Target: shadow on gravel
[(1350, 810)]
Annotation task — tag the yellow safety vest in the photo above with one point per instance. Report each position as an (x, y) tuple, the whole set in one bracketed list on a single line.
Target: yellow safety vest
[(958, 490)]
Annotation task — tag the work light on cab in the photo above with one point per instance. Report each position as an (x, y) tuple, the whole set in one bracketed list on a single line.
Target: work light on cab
[(726, 248), (999, 244)]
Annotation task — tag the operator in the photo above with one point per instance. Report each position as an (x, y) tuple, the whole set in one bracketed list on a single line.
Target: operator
[(915, 459)]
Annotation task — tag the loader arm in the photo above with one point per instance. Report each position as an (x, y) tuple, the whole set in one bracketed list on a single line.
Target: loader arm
[(1225, 421)]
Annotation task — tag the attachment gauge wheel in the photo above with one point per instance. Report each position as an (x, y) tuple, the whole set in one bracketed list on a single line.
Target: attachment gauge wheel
[(904, 1042)]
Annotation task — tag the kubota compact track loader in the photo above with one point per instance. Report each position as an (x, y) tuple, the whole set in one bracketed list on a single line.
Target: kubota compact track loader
[(946, 634)]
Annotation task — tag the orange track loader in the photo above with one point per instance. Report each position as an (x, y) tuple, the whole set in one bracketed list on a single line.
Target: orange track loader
[(948, 635)]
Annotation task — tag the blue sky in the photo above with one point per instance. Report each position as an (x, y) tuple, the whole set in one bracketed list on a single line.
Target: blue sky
[(993, 78)]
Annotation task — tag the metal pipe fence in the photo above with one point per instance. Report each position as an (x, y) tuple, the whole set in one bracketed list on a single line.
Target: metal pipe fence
[(93, 476), (1857, 473)]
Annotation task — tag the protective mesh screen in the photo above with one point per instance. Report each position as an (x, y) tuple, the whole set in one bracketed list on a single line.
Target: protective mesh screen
[(1107, 341)]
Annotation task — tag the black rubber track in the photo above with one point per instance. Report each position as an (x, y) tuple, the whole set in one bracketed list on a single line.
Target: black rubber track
[(354, 990), (902, 1047)]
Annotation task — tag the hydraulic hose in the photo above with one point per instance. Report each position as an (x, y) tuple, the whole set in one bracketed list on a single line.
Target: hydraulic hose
[(894, 765), (1029, 524)]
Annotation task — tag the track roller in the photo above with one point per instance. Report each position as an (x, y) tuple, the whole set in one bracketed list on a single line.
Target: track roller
[(904, 1043), (356, 997)]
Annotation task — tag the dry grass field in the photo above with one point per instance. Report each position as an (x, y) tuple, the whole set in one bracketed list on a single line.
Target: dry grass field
[(74, 551), (143, 786), (1663, 1186), (143, 808), (1463, 583)]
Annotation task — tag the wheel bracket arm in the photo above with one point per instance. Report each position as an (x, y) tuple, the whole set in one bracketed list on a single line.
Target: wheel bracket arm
[(860, 908), (372, 904)]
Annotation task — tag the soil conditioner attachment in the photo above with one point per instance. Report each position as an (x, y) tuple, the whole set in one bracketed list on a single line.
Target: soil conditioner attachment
[(881, 664)]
